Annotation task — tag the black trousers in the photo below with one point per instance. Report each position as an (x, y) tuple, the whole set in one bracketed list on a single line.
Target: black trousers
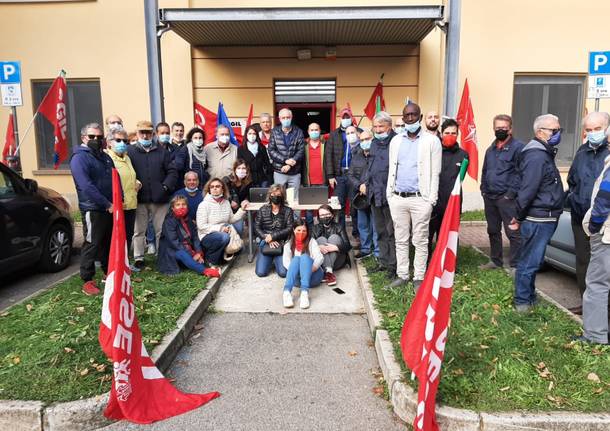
[(130, 222), (498, 212), (385, 236), (97, 233), (583, 254)]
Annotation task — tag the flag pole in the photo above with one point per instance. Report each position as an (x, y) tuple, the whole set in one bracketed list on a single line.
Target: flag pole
[(27, 129)]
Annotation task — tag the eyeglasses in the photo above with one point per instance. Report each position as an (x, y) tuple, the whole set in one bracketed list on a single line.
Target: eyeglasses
[(118, 140), (553, 131), (100, 137)]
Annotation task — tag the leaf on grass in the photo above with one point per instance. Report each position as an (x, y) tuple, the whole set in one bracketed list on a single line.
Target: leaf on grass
[(137, 280), (496, 308), (80, 310), (465, 288), (6, 313), (352, 353), (68, 350), (29, 307), (197, 335), (84, 372), (504, 389), (101, 368), (541, 365), (598, 391), (474, 317), (392, 314), (458, 372), (483, 346), (16, 360), (593, 378), (551, 386), (378, 390)]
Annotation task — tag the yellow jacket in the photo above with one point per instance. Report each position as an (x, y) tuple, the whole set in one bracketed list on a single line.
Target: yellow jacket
[(128, 179)]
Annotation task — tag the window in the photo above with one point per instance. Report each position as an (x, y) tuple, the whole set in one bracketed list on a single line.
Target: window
[(559, 95), (84, 106), (6, 186)]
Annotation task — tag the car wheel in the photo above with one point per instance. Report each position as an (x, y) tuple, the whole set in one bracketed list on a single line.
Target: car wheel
[(57, 249)]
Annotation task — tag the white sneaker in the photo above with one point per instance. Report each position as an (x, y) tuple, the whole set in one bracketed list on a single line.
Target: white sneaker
[(151, 249), (304, 299), (288, 303)]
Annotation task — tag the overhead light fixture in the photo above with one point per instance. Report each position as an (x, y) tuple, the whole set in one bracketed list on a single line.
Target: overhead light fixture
[(331, 53), (304, 54)]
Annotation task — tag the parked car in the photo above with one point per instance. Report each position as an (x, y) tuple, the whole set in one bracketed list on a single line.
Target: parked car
[(35, 225), (561, 253)]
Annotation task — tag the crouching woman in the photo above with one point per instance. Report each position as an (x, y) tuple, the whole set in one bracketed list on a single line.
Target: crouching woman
[(303, 259)]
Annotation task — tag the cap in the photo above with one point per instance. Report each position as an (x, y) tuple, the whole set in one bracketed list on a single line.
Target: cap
[(344, 111), (144, 125)]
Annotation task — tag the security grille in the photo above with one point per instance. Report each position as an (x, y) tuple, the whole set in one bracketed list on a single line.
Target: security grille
[(305, 91)]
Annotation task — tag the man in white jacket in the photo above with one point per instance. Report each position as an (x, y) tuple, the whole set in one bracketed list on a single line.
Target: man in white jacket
[(415, 161)]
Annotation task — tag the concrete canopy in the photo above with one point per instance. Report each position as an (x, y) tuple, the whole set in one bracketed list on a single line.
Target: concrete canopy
[(303, 26)]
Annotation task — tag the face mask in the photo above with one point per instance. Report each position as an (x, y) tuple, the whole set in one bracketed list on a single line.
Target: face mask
[(413, 128), (365, 145), (276, 200), (224, 139), (120, 147), (286, 122), (326, 220), (315, 135), (300, 236), (198, 142), (164, 139), (94, 144), (555, 139), (241, 173), (399, 129), (346, 122), (115, 127), (501, 134), (449, 140), (381, 136), (351, 138), (216, 193), (596, 138), (191, 190), (180, 212), (252, 138), (145, 142)]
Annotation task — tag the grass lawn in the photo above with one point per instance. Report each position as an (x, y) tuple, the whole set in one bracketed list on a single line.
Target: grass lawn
[(498, 360), (474, 215), (77, 216), (48, 346)]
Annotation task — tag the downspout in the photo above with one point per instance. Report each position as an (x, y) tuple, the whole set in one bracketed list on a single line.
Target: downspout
[(452, 57), (153, 54)]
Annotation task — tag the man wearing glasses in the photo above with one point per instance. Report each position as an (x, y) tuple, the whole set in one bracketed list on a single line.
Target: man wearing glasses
[(499, 187), (539, 205), (92, 173)]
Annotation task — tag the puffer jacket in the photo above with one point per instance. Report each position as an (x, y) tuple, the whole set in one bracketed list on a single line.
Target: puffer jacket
[(92, 175), (540, 197), (283, 147), (320, 230), (358, 168), (212, 216), (156, 172), (280, 227)]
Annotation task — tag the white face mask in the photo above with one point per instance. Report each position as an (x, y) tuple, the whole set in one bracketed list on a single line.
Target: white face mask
[(115, 126), (241, 173), (351, 138), (224, 139), (252, 138), (198, 142)]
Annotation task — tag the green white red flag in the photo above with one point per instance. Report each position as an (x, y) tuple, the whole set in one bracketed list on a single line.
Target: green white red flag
[(426, 325), (376, 102), (139, 393)]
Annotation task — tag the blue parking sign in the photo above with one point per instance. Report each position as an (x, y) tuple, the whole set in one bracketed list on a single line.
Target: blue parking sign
[(599, 63), (10, 72)]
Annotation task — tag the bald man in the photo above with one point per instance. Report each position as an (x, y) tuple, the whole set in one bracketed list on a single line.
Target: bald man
[(286, 150), (432, 120)]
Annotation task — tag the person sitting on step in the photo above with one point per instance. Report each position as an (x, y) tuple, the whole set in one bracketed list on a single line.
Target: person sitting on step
[(333, 243)]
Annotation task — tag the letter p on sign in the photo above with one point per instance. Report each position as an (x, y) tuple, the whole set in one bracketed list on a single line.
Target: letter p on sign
[(10, 72), (599, 63), (599, 60)]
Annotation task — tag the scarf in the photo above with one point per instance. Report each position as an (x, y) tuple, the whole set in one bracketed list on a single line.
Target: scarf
[(253, 148), (197, 153)]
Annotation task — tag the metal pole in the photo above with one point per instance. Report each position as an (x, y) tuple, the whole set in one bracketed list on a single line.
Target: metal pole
[(597, 104), (153, 54), (452, 57), (15, 128)]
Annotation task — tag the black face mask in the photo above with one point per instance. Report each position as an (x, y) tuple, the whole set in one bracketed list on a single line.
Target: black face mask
[(276, 200), (326, 221), (94, 144), (501, 134)]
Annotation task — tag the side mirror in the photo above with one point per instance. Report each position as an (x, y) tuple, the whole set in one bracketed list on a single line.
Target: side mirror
[(31, 185)]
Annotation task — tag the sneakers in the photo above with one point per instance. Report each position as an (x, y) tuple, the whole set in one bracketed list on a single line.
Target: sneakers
[(90, 288), (139, 264), (304, 301), (489, 265), (361, 255), (330, 279), (287, 299), (151, 249), (212, 272), (134, 268), (583, 339), (397, 283), (523, 308), (417, 284)]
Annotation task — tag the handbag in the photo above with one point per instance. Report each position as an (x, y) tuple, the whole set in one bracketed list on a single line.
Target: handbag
[(235, 244), (268, 251)]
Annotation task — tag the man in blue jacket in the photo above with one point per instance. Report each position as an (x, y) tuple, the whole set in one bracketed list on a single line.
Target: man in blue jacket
[(499, 186), (92, 173), (586, 167), (539, 205)]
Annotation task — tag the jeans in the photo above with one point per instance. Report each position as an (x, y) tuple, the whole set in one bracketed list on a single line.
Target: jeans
[(342, 191), (288, 181), (264, 263), (239, 226), (534, 238), (498, 212), (150, 233), (300, 274), (213, 246), (185, 258), (368, 234)]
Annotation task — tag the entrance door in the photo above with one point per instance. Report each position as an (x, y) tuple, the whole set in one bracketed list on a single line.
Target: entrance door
[(303, 114)]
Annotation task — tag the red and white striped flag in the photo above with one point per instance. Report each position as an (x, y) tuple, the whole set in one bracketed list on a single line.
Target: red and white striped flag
[(140, 393), (426, 326)]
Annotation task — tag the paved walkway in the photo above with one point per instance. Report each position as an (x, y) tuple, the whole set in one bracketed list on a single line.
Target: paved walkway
[(281, 369)]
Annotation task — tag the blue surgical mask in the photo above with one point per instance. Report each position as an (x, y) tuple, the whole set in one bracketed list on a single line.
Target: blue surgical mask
[(381, 135), (191, 190), (314, 134), (399, 129), (346, 122), (413, 128), (164, 139), (365, 145), (286, 122), (120, 148), (596, 138), (555, 139), (145, 142)]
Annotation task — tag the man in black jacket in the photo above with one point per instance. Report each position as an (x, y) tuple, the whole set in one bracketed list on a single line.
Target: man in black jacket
[(157, 173), (539, 205), (499, 186), (587, 166), (286, 150)]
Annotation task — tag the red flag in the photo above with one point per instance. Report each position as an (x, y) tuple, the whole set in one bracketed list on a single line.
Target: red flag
[(139, 391), (206, 119), (53, 107), (424, 332), (376, 102), (349, 108), (468, 130), (9, 142), (250, 116)]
